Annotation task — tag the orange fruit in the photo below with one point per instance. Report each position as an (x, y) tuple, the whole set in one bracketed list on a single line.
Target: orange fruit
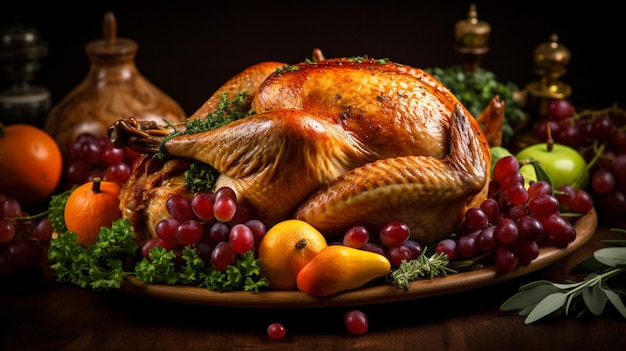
[(285, 249), (30, 164), (91, 206)]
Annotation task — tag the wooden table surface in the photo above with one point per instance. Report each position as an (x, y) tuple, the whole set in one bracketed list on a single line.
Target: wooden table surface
[(66, 317)]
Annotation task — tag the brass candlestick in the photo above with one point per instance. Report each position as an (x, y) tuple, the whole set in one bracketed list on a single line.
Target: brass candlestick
[(471, 37), (551, 59)]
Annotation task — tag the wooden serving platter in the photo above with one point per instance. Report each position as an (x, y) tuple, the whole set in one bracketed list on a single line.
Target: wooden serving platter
[(585, 228)]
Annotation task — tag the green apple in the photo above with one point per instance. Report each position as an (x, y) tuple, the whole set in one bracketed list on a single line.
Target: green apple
[(563, 164)]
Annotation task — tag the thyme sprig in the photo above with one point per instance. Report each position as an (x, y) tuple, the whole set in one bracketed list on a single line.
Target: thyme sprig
[(431, 265)]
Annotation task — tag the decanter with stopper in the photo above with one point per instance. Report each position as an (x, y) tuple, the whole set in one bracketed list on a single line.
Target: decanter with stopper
[(113, 89)]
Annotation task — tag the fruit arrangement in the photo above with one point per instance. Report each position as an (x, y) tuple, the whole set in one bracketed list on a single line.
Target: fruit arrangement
[(208, 236), (599, 135), (212, 241)]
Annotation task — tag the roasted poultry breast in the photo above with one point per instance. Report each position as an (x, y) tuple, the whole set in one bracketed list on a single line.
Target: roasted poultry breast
[(334, 142)]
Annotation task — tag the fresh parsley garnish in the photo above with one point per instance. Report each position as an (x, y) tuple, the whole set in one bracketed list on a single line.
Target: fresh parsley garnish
[(116, 256), (100, 266)]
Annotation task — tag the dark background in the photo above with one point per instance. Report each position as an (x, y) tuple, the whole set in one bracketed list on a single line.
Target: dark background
[(189, 48)]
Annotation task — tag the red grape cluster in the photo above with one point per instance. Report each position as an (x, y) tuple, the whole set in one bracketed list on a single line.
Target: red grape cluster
[(600, 136), (514, 222), (213, 222), (23, 247), (94, 156), (393, 241)]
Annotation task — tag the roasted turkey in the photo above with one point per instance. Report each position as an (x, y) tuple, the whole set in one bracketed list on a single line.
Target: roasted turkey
[(334, 142)]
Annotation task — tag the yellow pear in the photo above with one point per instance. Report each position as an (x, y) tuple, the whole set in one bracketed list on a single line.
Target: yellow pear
[(339, 268)]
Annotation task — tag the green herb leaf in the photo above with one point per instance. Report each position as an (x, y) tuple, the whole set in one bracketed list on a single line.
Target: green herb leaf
[(547, 306), (616, 301), (100, 266), (616, 242), (159, 269), (529, 297), (541, 298), (409, 271), (589, 265), (611, 256), (56, 210), (200, 177), (593, 296)]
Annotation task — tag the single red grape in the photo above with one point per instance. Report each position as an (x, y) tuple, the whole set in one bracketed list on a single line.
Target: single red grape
[(356, 322), (276, 331)]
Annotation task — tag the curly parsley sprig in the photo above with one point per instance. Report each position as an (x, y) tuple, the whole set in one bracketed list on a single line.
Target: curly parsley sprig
[(160, 269), (100, 266), (116, 256)]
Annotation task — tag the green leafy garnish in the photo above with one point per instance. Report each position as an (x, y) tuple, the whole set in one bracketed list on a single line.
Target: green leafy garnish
[(245, 275), (56, 210), (160, 269), (227, 111), (287, 68), (606, 281), (425, 265), (200, 177), (100, 266), (116, 256), (475, 91)]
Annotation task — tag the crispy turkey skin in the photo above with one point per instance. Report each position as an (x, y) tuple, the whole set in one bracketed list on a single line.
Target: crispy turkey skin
[(337, 143)]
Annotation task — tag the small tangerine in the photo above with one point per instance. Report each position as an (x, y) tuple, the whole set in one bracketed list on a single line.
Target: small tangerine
[(90, 207)]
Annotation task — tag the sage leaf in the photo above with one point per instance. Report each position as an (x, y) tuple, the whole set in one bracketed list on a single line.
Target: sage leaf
[(530, 297), (589, 265), (582, 314), (616, 301), (548, 305), (568, 286), (569, 301), (526, 311), (594, 299), (615, 242), (611, 256), (534, 284)]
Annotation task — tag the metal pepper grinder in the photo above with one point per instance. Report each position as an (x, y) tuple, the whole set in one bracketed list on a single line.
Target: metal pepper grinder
[(551, 59), (471, 37), (21, 47)]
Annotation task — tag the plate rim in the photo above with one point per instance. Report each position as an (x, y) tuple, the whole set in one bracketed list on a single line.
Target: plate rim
[(378, 294)]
